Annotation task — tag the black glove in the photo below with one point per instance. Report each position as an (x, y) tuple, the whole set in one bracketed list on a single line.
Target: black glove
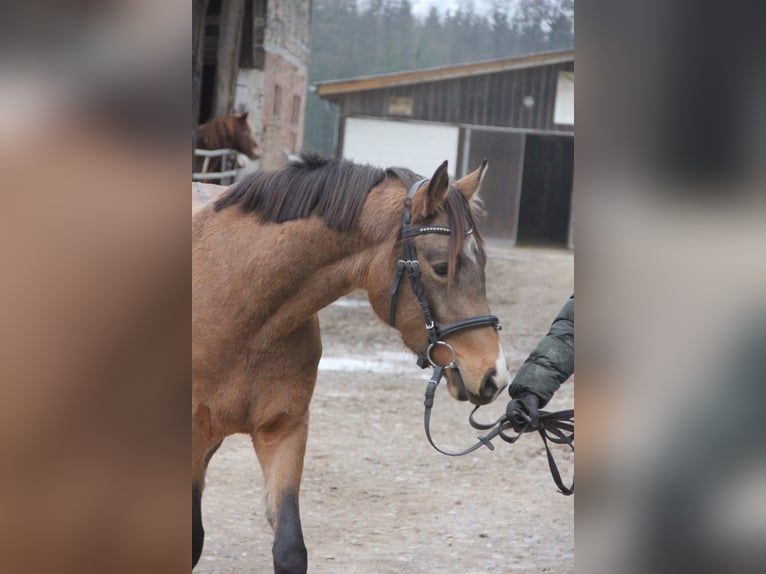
[(522, 412)]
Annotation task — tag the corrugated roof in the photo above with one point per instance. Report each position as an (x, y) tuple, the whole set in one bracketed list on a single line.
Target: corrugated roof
[(363, 83)]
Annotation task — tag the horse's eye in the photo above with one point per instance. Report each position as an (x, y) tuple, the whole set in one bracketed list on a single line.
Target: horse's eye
[(440, 269)]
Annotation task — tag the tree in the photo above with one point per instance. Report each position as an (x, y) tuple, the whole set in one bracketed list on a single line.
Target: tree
[(562, 26), (429, 40)]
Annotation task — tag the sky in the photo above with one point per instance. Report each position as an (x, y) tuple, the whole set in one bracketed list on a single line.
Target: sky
[(421, 7)]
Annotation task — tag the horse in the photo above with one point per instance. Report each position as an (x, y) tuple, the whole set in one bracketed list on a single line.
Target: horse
[(230, 132), (275, 248)]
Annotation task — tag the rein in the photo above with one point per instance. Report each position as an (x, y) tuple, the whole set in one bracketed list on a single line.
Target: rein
[(555, 427)]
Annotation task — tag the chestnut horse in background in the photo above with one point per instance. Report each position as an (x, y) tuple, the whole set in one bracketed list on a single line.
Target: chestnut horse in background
[(230, 132), (272, 251)]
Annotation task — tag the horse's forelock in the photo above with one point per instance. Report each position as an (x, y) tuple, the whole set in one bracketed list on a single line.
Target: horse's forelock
[(462, 220), (462, 223)]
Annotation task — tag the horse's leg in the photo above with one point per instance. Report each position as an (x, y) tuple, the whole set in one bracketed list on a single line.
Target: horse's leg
[(279, 431), (280, 448), (204, 446)]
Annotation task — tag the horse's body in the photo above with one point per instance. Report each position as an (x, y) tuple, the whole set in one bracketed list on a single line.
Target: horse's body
[(267, 256), (229, 132)]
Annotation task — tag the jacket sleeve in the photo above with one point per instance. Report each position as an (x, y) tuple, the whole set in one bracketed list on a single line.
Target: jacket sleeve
[(552, 361)]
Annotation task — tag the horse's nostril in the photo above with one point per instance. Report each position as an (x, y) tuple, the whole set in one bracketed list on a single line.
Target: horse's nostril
[(488, 388)]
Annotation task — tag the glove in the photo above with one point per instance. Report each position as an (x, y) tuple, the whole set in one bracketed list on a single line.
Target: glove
[(522, 412)]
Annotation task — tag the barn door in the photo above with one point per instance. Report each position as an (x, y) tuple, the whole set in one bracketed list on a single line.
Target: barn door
[(501, 187), (419, 146), (546, 196)]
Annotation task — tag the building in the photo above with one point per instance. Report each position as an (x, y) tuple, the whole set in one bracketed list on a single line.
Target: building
[(516, 112), (254, 53)]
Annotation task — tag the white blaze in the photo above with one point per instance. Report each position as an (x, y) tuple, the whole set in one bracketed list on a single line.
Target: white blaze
[(503, 378), (471, 248)]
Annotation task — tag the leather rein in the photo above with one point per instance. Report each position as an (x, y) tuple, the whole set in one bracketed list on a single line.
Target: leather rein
[(555, 427)]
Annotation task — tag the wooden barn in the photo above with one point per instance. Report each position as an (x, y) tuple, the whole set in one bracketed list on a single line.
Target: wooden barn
[(254, 53), (516, 112)]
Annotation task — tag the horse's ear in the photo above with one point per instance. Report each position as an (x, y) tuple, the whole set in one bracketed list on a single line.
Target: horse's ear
[(428, 199), (242, 116), (470, 184)]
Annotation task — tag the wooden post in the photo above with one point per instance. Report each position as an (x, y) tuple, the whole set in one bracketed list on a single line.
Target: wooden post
[(232, 13), (199, 9), (570, 242)]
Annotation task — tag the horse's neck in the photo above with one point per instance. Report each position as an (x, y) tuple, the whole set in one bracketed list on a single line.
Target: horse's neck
[(213, 134), (284, 273)]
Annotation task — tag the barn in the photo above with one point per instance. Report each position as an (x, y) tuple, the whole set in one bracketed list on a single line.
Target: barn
[(516, 112)]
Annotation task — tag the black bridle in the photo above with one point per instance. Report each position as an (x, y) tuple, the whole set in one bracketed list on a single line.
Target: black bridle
[(436, 335), (555, 427)]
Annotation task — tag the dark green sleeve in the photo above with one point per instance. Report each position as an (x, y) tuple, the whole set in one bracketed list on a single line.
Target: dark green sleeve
[(552, 361)]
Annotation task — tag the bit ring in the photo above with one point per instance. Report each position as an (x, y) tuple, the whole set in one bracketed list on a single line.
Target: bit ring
[(451, 365)]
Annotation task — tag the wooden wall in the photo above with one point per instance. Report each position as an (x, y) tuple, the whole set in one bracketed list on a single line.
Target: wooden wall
[(491, 100), (527, 193)]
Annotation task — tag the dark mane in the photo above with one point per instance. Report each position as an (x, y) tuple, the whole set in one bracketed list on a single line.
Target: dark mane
[(333, 189)]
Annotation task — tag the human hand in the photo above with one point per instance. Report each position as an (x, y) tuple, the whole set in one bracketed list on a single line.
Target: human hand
[(522, 411)]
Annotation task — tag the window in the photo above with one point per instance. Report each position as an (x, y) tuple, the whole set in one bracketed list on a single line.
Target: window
[(563, 112), (277, 101), (251, 50), (295, 114)]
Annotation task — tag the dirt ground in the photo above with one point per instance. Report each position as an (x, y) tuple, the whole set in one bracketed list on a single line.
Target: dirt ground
[(376, 498)]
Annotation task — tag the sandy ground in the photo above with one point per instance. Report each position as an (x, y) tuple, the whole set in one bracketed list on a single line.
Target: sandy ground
[(376, 499)]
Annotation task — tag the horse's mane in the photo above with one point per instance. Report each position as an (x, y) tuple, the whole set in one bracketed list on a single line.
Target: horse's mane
[(335, 190)]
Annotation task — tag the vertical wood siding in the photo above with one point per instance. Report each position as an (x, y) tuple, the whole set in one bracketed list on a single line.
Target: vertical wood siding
[(491, 99)]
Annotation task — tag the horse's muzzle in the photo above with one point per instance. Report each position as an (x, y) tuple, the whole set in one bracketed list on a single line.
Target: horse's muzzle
[(490, 388)]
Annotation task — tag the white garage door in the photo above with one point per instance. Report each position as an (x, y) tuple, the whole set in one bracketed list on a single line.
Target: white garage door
[(418, 146)]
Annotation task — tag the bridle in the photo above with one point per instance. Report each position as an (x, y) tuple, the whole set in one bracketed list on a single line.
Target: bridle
[(436, 335), (554, 427), (409, 263)]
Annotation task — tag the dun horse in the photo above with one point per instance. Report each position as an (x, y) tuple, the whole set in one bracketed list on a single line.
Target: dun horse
[(279, 246)]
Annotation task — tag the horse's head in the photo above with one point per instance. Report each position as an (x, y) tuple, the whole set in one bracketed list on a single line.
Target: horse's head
[(242, 134), (451, 261)]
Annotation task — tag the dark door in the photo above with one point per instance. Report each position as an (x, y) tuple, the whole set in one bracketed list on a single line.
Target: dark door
[(546, 190), (500, 188)]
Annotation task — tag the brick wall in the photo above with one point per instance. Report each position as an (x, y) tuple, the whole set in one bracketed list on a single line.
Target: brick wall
[(276, 95), (284, 94)]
